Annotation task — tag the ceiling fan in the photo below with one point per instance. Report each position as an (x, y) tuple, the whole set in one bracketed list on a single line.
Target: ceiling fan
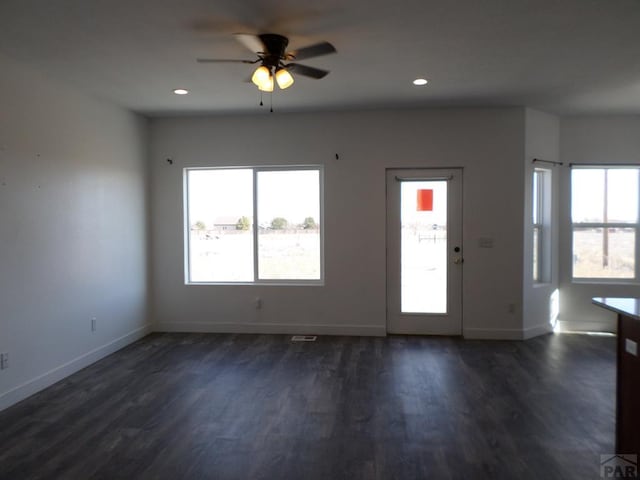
[(272, 55)]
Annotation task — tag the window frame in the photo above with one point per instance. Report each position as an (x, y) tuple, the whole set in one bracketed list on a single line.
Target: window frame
[(635, 280), (541, 222), (254, 226)]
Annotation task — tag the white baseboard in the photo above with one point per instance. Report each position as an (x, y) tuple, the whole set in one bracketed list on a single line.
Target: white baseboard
[(506, 333), (271, 328), (536, 331), (47, 379), (352, 330), (492, 333), (571, 326)]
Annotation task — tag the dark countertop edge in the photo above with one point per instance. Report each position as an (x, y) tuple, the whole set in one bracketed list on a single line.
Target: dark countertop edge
[(602, 302)]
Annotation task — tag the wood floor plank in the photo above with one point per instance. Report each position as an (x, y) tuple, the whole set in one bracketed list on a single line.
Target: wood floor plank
[(207, 406)]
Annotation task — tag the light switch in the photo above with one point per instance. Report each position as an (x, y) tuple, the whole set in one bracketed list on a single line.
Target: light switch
[(631, 347)]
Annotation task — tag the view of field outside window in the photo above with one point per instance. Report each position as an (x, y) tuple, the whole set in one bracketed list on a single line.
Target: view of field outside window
[(220, 243), (604, 212), (288, 217), (221, 225), (423, 249)]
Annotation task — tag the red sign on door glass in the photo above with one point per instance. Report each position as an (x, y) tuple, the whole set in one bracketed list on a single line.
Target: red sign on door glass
[(425, 201)]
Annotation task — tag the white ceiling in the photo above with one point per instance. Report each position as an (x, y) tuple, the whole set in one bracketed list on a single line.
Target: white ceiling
[(561, 56)]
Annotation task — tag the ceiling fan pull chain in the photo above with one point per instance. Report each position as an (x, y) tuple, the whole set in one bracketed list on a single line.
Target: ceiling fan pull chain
[(271, 98), (260, 97)]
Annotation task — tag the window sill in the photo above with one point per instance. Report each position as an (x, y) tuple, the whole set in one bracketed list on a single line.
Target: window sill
[(318, 283), (606, 281)]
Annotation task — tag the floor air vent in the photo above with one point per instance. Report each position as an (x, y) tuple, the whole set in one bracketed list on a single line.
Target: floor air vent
[(303, 338)]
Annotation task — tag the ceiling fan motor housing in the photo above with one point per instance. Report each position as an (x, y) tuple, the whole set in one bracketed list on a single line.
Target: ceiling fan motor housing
[(275, 46)]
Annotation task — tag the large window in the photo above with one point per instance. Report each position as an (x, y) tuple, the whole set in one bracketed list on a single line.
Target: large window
[(604, 215), (254, 224), (541, 209)]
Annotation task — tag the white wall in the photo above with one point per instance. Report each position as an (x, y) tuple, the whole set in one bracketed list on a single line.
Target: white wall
[(540, 300), (598, 140), (73, 230), (488, 143)]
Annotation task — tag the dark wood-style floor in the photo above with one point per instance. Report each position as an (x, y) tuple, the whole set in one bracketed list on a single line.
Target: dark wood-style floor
[(175, 406)]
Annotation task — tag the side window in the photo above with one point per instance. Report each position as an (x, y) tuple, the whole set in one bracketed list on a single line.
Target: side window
[(253, 225), (604, 221), (541, 225)]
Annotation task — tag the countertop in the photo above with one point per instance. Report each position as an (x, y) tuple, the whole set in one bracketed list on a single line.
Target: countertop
[(628, 306)]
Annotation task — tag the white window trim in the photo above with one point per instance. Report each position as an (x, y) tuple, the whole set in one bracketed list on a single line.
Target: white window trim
[(543, 223), (636, 226), (255, 169)]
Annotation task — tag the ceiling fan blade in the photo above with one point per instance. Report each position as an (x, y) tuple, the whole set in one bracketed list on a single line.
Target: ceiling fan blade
[(306, 71), (252, 42), (322, 48), (223, 60)]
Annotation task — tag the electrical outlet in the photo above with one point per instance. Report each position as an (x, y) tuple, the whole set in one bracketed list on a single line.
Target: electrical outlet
[(4, 360), (94, 324), (258, 303)]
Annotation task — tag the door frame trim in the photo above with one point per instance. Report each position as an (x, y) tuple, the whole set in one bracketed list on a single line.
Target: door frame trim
[(399, 177)]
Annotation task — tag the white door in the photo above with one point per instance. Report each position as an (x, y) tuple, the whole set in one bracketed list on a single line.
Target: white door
[(424, 251)]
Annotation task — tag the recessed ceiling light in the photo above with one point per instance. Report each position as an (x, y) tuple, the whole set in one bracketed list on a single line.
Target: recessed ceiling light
[(180, 91), (420, 81)]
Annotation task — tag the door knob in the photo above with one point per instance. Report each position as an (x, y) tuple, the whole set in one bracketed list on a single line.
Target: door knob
[(458, 260)]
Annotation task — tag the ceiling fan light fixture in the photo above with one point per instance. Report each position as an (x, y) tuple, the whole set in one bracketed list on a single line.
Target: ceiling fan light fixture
[(284, 78), (262, 78), (266, 85), (420, 81)]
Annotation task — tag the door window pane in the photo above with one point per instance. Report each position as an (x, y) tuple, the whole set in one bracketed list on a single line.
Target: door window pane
[(423, 217)]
